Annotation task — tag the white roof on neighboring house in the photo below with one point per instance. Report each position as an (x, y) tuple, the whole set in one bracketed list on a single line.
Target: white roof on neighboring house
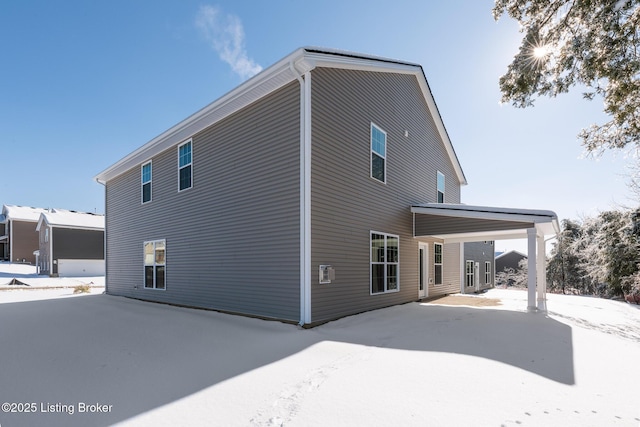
[(511, 252), (288, 69), (22, 213), (71, 219)]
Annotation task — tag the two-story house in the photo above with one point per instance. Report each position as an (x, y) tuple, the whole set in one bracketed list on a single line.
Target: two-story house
[(324, 186), (19, 239), (71, 243)]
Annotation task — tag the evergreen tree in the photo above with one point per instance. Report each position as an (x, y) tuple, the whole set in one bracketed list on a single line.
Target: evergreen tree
[(594, 44)]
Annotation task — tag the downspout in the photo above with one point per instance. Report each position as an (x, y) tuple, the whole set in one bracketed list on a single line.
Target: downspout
[(104, 236), (305, 194)]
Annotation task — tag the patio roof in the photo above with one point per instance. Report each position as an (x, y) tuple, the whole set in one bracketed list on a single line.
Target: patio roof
[(466, 223)]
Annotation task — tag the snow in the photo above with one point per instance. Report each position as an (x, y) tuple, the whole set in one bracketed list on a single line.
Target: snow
[(414, 364), (22, 213), (28, 278), (66, 218)]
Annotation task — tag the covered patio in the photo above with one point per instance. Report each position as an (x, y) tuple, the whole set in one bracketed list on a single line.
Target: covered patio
[(458, 223)]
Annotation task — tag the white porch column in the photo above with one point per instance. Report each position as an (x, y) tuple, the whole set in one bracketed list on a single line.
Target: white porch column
[(532, 273), (542, 274)]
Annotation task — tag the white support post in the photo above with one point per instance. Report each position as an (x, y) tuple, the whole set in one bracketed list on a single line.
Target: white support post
[(532, 271), (542, 274)]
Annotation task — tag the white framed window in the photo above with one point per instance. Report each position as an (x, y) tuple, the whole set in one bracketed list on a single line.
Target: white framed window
[(487, 272), (145, 179), (385, 262), (469, 273), (154, 264), (440, 185), (437, 263), (185, 165), (46, 235), (378, 154)]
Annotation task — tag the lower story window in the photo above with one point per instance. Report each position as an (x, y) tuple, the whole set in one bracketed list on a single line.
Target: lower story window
[(437, 262), (487, 272), (469, 273), (385, 263), (154, 264)]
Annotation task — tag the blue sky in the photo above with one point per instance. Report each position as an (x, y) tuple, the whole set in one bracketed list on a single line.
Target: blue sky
[(84, 83)]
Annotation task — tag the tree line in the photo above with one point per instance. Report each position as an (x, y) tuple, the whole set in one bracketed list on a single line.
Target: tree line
[(598, 255)]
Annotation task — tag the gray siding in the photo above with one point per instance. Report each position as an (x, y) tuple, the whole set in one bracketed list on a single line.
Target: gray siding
[(436, 224), (481, 252), (44, 250), (346, 204), (233, 239), (77, 244)]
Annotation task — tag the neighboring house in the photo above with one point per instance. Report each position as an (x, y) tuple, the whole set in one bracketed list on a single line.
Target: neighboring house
[(71, 243), (322, 187), (19, 239), (510, 259), (4, 238), (479, 266)]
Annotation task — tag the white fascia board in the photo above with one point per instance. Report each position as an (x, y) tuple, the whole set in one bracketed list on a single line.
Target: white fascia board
[(40, 221), (269, 80), (250, 91), (486, 212)]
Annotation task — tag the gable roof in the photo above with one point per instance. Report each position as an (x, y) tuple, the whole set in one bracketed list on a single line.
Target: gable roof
[(71, 219), (288, 69), (510, 253), (21, 213)]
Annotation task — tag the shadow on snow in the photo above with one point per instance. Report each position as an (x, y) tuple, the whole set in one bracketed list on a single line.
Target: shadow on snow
[(138, 356)]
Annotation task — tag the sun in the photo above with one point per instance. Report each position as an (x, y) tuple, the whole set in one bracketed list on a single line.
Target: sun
[(540, 52)]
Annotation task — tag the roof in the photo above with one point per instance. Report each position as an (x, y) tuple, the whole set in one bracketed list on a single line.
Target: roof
[(71, 219), (22, 213), (283, 72), (511, 252), (466, 223)]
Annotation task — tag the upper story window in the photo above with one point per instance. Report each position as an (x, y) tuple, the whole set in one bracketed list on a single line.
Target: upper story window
[(146, 182), (440, 187), (378, 153), (185, 166), (385, 261)]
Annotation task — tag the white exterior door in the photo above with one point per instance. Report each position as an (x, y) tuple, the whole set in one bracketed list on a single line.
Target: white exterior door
[(423, 273)]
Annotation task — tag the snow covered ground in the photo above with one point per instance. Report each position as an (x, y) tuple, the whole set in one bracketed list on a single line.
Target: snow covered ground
[(27, 277), (102, 360)]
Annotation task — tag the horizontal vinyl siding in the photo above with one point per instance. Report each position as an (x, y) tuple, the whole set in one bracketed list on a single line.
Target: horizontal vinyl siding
[(233, 239), (435, 224), (77, 244), (347, 204), (25, 241)]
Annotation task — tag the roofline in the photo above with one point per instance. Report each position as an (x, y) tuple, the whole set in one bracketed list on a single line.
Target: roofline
[(283, 72), (490, 213), (512, 251), (43, 218)]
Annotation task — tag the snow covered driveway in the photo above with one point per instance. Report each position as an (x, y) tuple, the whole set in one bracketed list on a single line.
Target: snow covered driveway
[(102, 360)]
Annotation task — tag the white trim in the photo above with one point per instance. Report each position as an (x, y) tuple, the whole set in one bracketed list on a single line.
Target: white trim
[(487, 273), (305, 196), (50, 255), (144, 265), (467, 274), (188, 141), (441, 263), (271, 79), (423, 261), (444, 183), (142, 183), (385, 263), (371, 153)]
